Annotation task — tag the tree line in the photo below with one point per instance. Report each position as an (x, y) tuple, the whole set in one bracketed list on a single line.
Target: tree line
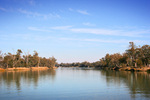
[(135, 56), (9, 60)]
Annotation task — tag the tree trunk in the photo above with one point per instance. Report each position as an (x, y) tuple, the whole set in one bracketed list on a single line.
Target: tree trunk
[(38, 62), (135, 64), (27, 61), (7, 65)]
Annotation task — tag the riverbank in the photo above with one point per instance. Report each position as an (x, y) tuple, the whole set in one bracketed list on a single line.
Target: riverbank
[(142, 69), (25, 69)]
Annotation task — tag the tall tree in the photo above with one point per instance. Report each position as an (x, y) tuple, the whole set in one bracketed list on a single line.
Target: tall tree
[(16, 57), (51, 62), (26, 58), (36, 58), (1, 59), (123, 60), (145, 54), (131, 53), (7, 60)]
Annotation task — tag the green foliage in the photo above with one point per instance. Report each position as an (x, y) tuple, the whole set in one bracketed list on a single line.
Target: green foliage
[(28, 60), (133, 56)]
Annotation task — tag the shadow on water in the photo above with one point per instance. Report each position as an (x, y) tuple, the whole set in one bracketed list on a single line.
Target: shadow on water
[(18, 78), (137, 82)]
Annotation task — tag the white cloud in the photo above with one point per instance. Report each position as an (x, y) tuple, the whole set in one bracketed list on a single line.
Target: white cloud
[(32, 2), (61, 27), (128, 33), (35, 14), (70, 9), (104, 40), (97, 31), (38, 29), (83, 12), (88, 24), (3, 9), (40, 37)]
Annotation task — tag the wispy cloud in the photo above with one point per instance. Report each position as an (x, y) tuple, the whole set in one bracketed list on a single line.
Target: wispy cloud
[(96, 31), (32, 2), (35, 14), (70, 9), (114, 41), (111, 32), (104, 40), (61, 27), (39, 38), (38, 29), (3, 9), (88, 24), (134, 33), (83, 12)]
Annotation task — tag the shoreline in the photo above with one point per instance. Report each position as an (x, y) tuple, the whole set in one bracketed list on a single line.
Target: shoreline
[(142, 69), (25, 69)]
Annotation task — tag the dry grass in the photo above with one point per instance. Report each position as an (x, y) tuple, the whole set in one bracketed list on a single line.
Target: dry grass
[(23, 69), (39, 68), (18, 68), (10, 69), (2, 70)]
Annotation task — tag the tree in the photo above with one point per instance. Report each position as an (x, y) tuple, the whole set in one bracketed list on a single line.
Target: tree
[(43, 61), (115, 60), (7, 60), (85, 64), (51, 62), (107, 60), (131, 53), (36, 59), (26, 58), (145, 54), (123, 60), (1, 59), (16, 57)]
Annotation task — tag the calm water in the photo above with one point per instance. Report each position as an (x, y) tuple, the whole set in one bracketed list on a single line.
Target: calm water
[(74, 84)]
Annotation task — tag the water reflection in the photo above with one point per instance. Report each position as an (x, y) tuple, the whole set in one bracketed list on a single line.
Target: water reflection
[(137, 82), (19, 78), (74, 84)]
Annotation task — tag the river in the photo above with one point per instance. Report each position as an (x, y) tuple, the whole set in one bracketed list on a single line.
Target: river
[(74, 84)]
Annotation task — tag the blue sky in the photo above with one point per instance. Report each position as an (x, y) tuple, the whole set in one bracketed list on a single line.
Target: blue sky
[(73, 30)]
